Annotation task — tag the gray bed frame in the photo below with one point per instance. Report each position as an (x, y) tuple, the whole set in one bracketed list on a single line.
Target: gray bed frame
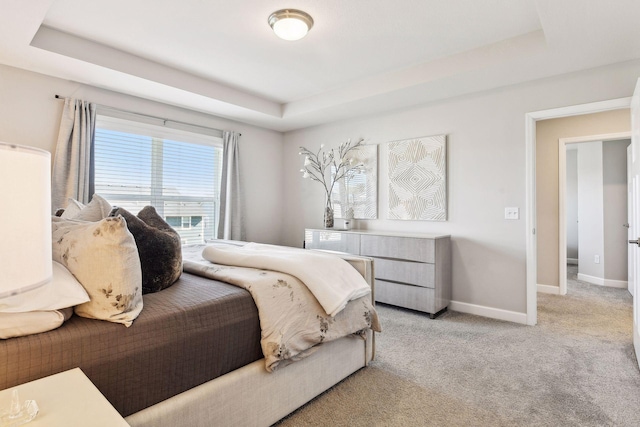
[(250, 396)]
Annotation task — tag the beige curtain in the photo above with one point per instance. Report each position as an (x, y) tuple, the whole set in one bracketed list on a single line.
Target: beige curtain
[(231, 216), (72, 174)]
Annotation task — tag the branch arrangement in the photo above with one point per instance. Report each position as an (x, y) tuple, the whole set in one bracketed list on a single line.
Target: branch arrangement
[(318, 166)]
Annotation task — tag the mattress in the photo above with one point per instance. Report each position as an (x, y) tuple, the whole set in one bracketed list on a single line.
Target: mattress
[(194, 331)]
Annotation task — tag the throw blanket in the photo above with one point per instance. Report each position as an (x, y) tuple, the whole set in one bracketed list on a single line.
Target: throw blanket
[(329, 278), (293, 323)]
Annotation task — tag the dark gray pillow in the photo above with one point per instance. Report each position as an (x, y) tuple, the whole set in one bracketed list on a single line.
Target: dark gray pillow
[(159, 248)]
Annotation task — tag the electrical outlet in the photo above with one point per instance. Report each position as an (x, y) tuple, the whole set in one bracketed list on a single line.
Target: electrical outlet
[(596, 259), (511, 213)]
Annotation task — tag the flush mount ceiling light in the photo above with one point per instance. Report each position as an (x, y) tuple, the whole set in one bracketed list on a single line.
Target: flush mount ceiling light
[(290, 24)]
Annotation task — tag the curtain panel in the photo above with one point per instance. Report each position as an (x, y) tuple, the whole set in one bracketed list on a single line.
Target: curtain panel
[(231, 219), (72, 175)]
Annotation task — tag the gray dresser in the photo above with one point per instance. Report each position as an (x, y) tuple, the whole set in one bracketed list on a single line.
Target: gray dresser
[(411, 271)]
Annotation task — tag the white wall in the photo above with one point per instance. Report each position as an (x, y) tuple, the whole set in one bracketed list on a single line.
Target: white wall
[(591, 211), (571, 202), (486, 149), (30, 115), (614, 159)]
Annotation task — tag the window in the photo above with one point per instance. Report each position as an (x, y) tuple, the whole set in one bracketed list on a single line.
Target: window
[(186, 222), (174, 221), (176, 171)]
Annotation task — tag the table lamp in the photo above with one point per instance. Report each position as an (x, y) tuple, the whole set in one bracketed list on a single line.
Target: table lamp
[(25, 219)]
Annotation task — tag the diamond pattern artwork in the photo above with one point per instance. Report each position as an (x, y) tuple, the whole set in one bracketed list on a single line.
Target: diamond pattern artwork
[(418, 179)]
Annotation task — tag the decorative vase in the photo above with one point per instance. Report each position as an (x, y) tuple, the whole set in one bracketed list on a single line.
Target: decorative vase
[(328, 215), (348, 218)]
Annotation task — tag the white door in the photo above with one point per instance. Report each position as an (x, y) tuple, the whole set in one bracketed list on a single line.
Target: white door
[(631, 228), (635, 175)]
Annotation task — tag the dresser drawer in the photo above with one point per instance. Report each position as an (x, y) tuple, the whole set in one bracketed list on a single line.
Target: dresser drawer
[(413, 297), (407, 248), (332, 241), (413, 273), (410, 270)]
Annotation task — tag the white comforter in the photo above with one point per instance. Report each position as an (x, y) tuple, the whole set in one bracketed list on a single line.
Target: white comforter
[(329, 278), (292, 321)]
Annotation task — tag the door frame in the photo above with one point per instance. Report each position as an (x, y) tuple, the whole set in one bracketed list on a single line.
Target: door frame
[(530, 186), (562, 194)]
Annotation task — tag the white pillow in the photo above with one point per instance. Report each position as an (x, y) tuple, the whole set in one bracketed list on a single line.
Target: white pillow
[(63, 291), (103, 256), (32, 322), (97, 209), (73, 208)]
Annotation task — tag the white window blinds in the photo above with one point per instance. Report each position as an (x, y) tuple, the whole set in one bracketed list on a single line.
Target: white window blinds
[(176, 171)]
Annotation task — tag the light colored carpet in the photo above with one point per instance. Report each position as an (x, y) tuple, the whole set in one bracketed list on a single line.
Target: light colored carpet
[(577, 367)]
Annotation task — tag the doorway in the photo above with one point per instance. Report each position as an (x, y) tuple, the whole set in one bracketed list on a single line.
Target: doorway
[(600, 187), (530, 176)]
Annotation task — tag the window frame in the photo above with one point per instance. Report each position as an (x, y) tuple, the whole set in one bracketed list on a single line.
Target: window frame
[(164, 130)]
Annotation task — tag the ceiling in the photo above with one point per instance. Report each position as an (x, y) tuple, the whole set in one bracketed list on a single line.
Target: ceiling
[(361, 57)]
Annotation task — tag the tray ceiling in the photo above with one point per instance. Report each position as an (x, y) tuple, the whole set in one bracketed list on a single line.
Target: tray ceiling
[(361, 57)]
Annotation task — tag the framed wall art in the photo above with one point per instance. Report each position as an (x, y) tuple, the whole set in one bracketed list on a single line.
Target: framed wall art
[(418, 178), (356, 196)]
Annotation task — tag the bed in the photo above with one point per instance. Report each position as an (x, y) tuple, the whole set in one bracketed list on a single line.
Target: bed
[(192, 357)]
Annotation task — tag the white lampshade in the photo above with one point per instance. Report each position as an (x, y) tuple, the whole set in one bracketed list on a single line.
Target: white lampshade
[(290, 24), (25, 219)]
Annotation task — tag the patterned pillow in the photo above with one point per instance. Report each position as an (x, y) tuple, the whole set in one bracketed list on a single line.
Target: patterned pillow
[(159, 247), (104, 258)]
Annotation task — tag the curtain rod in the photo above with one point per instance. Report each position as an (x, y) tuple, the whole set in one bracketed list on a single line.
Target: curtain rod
[(153, 117)]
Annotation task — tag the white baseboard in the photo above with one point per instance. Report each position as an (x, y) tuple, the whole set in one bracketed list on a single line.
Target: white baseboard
[(572, 261), (548, 289), (590, 279), (493, 313), (622, 284)]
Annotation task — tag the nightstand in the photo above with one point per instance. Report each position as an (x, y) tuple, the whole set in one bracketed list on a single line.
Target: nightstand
[(66, 399)]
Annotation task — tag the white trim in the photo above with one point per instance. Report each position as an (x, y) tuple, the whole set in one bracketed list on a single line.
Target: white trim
[(590, 279), (562, 216), (603, 137), (572, 261), (609, 283), (145, 128), (548, 289), (531, 220), (493, 313), (530, 188), (576, 110), (562, 196), (158, 122), (620, 284)]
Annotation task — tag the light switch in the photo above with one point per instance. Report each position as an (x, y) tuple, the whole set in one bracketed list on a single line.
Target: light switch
[(511, 213)]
